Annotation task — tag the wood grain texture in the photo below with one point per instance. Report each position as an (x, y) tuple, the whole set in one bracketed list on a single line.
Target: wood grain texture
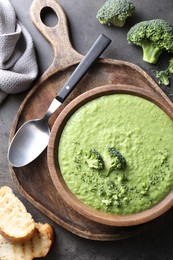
[(34, 181)]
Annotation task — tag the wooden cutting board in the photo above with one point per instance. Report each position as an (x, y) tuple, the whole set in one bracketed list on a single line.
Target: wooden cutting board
[(33, 181)]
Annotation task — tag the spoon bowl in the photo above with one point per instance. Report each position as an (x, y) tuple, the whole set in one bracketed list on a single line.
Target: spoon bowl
[(37, 131)]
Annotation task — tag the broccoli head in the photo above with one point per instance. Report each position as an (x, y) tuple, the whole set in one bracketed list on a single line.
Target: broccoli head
[(170, 68), (94, 159), (153, 36), (163, 77), (117, 161), (115, 12)]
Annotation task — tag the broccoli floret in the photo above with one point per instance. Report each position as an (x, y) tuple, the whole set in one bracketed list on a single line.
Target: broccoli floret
[(153, 36), (94, 159), (163, 77), (115, 12), (117, 161), (170, 68)]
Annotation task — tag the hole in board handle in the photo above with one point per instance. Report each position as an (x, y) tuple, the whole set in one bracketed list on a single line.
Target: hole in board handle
[(49, 17)]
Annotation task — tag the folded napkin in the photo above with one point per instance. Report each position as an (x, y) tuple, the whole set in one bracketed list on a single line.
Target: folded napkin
[(18, 65)]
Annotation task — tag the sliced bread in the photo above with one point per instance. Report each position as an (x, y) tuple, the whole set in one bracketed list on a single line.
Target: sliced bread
[(37, 246), (15, 222)]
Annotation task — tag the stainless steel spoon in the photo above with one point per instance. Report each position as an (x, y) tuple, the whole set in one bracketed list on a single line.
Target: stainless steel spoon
[(33, 136)]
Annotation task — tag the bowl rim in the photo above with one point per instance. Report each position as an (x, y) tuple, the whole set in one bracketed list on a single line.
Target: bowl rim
[(59, 183)]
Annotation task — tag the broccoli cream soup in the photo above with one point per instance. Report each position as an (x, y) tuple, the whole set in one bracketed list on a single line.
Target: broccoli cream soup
[(116, 154)]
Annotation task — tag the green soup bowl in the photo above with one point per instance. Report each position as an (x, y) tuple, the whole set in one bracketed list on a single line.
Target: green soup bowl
[(126, 218)]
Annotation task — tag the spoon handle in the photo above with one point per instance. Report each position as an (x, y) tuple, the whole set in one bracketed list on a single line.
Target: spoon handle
[(96, 50)]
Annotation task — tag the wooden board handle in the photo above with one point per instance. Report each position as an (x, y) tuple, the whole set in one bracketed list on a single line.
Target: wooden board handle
[(58, 36)]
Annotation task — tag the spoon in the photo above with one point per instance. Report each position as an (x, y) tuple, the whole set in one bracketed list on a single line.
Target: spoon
[(32, 137)]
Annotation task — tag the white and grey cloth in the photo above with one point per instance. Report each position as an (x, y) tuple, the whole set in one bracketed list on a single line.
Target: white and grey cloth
[(18, 65)]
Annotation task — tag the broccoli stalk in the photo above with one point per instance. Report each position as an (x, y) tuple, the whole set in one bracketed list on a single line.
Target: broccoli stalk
[(153, 36), (115, 12), (151, 53), (94, 159)]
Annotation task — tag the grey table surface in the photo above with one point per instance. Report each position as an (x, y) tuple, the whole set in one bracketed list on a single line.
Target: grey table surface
[(156, 241)]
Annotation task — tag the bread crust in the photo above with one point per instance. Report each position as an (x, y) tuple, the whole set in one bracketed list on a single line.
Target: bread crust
[(37, 246), (16, 223)]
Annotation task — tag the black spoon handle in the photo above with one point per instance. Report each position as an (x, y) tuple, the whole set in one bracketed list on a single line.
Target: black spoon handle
[(96, 50)]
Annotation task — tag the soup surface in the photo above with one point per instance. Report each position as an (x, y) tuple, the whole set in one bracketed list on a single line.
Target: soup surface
[(116, 154)]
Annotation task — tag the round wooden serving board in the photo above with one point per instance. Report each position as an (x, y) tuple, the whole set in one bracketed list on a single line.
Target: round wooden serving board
[(34, 181)]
